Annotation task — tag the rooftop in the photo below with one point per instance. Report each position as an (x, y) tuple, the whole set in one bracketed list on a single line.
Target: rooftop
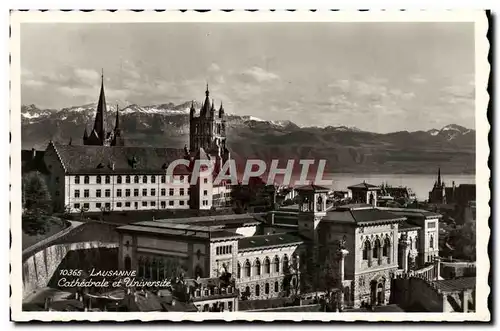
[(363, 215), (411, 212), (364, 186), (458, 284), (408, 226), (79, 159), (226, 221), (178, 229), (312, 188), (272, 240)]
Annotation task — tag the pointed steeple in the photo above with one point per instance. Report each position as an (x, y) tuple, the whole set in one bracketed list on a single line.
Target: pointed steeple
[(221, 110), (439, 176), (206, 105), (117, 121), (192, 110), (100, 114), (117, 139)]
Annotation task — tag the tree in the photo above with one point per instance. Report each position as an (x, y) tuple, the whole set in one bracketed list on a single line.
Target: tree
[(36, 202)]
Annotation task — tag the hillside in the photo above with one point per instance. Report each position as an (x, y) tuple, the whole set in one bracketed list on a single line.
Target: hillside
[(346, 149)]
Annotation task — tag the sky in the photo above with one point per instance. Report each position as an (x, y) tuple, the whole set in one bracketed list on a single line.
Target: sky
[(380, 77)]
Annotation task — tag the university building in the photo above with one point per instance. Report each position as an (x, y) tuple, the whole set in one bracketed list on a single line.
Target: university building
[(103, 174), (360, 248)]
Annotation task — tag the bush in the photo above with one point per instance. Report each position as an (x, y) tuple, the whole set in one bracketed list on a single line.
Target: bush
[(37, 203)]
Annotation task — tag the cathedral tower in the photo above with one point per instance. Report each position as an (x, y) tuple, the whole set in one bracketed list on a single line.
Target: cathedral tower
[(208, 130), (98, 134)]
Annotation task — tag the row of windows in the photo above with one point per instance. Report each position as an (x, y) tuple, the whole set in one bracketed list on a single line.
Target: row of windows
[(119, 192), (224, 250), (248, 292), (267, 266), (128, 178), (163, 204), (368, 253)]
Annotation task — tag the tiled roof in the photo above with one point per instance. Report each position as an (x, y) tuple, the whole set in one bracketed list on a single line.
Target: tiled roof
[(364, 186), (272, 240), (411, 212), (79, 159), (407, 226), (359, 216), (312, 188), (458, 284)]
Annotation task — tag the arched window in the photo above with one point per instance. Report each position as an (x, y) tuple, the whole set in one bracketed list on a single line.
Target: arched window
[(411, 243), (376, 249), (128, 263), (247, 290), (257, 267), (127, 179), (276, 287), (295, 261), (238, 270), (366, 250), (248, 269), (266, 288), (98, 179), (276, 264), (107, 179), (431, 242), (285, 263), (144, 179), (118, 179), (257, 290), (136, 179), (86, 180), (387, 247), (267, 266)]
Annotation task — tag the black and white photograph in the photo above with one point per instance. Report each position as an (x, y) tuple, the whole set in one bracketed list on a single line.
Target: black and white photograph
[(240, 166)]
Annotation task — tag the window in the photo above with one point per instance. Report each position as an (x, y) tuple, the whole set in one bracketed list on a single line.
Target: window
[(295, 262), (118, 179), (257, 267), (257, 290), (153, 179), (376, 249), (238, 270), (171, 192), (107, 193), (181, 202), (276, 264), (86, 193), (153, 203), (230, 306), (431, 225), (98, 179), (107, 205), (108, 179), (86, 205), (163, 204), (127, 192), (163, 192), (285, 263), (205, 180), (118, 204), (98, 205), (144, 192), (127, 179), (170, 203), (86, 179), (153, 192), (247, 269), (267, 266), (182, 178), (127, 204), (144, 203), (145, 179), (77, 193), (136, 179), (98, 193), (276, 287), (366, 250), (431, 242), (119, 192), (205, 192), (387, 246), (163, 179), (266, 288), (77, 179), (181, 191), (136, 192), (76, 205), (57, 180)]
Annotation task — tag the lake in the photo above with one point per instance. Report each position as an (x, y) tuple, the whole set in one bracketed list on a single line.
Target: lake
[(420, 184)]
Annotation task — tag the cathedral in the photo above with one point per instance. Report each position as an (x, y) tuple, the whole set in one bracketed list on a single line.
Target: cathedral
[(438, 193), (105, 174)]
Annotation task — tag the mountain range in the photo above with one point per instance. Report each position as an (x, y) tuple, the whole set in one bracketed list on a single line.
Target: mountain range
[(345, 149)]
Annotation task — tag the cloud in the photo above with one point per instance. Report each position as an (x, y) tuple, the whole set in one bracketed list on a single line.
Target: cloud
[(260, 75), (214, 67), (417, 79), (33, 83), (86, 75)]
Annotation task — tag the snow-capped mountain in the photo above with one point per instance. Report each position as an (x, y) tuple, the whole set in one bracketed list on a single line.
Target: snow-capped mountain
[(451, 132)]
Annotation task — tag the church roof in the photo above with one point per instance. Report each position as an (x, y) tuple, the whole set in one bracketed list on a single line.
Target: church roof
[(79, 159)]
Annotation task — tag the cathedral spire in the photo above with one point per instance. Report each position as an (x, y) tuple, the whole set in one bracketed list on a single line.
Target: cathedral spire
[(439, 176), (117, 121), (100, 114)]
